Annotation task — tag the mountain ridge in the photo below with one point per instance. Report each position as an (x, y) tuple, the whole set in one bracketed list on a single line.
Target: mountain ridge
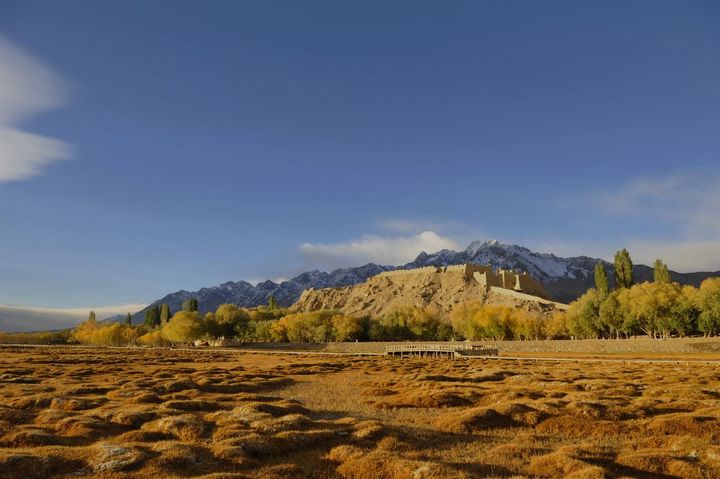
[(565, 278)]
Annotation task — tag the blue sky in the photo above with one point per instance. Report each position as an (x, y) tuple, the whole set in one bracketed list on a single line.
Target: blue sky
[(147, 147)]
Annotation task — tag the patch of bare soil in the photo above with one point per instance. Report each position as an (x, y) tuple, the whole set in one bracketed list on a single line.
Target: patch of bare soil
[(84, 412)]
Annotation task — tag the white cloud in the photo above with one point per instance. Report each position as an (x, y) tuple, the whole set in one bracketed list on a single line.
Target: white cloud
[(25, 318), (685, 204), (682, 255), (376, 249), (27, 89), (686, 199), (23, 155), (462, 233)]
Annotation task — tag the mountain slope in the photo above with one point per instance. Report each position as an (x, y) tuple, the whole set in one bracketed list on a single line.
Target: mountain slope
[(564, 278), (440, 289)]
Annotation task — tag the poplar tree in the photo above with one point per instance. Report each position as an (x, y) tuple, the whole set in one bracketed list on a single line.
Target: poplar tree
[(165, 313), (272, 302), (91, 317), (601, 279), (623, 269), (661, 274), (128, 319), (190, 305), (152, 317)]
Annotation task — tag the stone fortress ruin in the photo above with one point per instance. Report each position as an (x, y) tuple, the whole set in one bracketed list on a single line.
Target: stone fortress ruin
[(485, 276), (441, 288)]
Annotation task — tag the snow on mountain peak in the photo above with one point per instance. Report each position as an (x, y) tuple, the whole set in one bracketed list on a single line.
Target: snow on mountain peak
[(542, 266)]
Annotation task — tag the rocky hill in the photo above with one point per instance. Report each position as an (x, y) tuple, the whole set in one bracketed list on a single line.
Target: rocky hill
[(564, 278), (437, 288)]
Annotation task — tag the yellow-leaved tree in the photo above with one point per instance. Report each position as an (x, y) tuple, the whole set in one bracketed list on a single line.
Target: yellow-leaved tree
[(113, 334), (463, 319), (228, 321), (347, 328), (555, 327), (184, 327), (153, 338), (708, 301)]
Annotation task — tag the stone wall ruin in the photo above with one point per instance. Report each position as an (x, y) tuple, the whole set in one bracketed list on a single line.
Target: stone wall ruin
[(484, 275)]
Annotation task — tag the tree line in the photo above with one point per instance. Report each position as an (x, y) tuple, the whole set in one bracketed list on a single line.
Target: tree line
[(660, 308), (471, 320)]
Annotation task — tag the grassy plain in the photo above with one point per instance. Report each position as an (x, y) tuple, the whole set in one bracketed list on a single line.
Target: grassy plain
[(133, 413)]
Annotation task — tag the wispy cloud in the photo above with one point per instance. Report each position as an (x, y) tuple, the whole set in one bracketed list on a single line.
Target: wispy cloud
[(681, 255), (686, 204), (25, 318), (462, 233), (688, 199), (27, 88), (376, 249)]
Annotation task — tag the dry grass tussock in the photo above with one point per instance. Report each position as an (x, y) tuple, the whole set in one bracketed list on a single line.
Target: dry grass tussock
[(83, 412)]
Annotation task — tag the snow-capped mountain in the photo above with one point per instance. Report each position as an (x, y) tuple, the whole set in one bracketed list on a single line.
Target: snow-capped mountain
[(564, 278), (541, 266)]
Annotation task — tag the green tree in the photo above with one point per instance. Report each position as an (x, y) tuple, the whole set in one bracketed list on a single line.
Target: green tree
[(152, 317), (347, 328), (708, 301), (227, 321), (165, 313), (652, 308), (660, 272), (91, 317), (185, 326), (601, 279), (611, 314), (128, 320), (664, 301), (623, 269), (312, 327), (687, 311), (257, 331), (393, 325), (630, 322), (583, 315), (423, 323), (272, 302), (190, 305)]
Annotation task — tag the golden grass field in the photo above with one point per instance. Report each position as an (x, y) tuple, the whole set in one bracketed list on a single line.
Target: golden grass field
[(134, 413)]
